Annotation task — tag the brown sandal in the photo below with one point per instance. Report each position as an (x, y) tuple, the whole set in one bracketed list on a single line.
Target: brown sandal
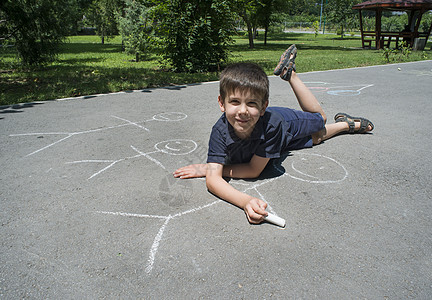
[(286, 63), (364, 123)]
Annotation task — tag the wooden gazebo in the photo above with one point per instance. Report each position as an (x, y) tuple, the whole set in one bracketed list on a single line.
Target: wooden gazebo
[(415, 10)]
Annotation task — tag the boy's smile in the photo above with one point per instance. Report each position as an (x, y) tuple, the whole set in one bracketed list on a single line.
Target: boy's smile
[(242, 111)]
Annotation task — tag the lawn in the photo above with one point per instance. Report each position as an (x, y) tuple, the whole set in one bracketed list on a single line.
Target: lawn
[(86, 67)]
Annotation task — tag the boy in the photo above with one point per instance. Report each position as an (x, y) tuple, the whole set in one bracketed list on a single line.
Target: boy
[(249, 133)]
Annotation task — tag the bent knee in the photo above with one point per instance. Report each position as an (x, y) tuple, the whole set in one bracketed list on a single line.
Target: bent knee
[(323, 115), (318, 137)]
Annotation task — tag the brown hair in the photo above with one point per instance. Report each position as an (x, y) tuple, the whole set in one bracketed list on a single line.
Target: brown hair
[(244, 77)]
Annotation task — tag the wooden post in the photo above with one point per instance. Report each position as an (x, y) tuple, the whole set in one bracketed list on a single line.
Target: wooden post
[(361, 28), (378, 28)]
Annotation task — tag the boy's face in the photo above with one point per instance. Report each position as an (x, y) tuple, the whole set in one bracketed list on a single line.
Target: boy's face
[(242, 111)]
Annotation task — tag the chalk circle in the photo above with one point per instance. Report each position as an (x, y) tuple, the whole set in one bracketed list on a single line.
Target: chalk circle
[(316, 168), (176, 147), (170, 116), (174, 192), (344, 93)]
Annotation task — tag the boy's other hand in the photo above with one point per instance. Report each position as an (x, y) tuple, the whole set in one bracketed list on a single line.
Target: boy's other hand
[(255, 210), (191, 171)]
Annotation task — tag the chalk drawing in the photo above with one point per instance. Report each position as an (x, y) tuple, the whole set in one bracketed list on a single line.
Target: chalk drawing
[(166, 117), (156, 242), (347, 90), (176, 147), (182, 147), (321, 166), (301, 161), (303, 165)]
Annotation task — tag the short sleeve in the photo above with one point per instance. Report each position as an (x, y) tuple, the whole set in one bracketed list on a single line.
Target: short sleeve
[(217, 147)]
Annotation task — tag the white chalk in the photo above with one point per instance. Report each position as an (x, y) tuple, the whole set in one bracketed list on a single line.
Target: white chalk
[(275, 220)]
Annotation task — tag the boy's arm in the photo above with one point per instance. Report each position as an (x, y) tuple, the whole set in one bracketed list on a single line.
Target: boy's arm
[(253, 207), (251, 169)]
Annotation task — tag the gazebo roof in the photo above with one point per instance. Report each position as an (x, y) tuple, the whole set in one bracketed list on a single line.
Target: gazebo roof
[(395, 4)]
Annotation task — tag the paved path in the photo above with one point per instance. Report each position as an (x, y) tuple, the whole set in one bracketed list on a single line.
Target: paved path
[(89, 208)]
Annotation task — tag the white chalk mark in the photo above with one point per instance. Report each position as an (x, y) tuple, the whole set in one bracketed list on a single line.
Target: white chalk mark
[(154, 248), (269, 208), (342, 90), (50, 145), (170, 116), (179, 146), (302, 173), (171, 149), (89, 161), (123, 214), (104, 169), (365, 87), (113, 162), (132, 123), (319, 181), (196, 209), (146, 155), (254, 186), (40, 133)]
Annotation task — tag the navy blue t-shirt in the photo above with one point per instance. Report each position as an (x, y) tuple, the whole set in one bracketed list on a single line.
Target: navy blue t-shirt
[(279, 130)]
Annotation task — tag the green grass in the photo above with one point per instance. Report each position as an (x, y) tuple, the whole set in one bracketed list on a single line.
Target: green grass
[(87, 67)]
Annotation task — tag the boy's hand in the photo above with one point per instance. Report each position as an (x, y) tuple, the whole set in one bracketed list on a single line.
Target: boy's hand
[(255, 210), (191, 171)]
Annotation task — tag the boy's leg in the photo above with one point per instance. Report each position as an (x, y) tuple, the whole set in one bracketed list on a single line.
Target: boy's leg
[(329, 131), (333, 129), (307, 101)]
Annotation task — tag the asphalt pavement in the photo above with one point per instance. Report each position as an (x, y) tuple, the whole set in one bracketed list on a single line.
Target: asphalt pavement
[(90, 210)]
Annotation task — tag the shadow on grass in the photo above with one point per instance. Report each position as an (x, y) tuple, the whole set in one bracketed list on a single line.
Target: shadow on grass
[(79, 48), (282, 47), (63, 81)]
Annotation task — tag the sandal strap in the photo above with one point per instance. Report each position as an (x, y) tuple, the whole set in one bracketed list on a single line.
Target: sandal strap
[(351, 125), (363, 125)]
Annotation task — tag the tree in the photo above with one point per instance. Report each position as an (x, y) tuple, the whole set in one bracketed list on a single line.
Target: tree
[(247, 10), (103, 15), (36, 28), (266, 10), (195, 34), (136, 29), (341, 13)]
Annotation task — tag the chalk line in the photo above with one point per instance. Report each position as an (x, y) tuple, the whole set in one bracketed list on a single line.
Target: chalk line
[(146, 155), (156, 242), (318, 181), (123, 214), (155, 246), (157, 117), (132, 123)]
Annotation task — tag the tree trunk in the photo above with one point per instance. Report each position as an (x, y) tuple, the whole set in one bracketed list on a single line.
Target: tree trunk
[(250, 35)]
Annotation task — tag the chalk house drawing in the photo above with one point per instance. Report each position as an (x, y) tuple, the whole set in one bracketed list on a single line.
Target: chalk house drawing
[(303, 167)]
